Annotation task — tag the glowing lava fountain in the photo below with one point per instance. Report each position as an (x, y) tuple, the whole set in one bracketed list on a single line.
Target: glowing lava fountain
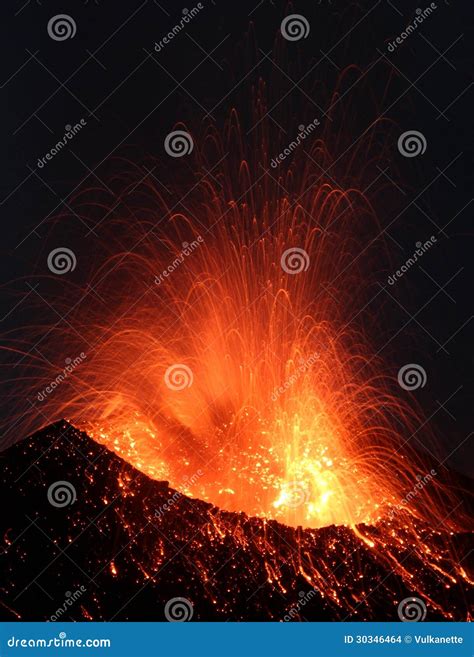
[(225, 331)]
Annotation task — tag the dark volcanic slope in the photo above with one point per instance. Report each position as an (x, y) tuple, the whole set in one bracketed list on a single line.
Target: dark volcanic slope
[(118, 553)]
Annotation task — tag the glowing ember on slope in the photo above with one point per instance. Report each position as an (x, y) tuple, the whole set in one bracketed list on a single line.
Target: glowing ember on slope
[(229, 566)]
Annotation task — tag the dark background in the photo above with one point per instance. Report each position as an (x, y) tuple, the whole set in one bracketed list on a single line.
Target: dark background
[(131, 101)]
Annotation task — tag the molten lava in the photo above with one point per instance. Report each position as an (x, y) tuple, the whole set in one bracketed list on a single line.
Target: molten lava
[(238, 367), (229, 326), (240, 376), (226, 332)]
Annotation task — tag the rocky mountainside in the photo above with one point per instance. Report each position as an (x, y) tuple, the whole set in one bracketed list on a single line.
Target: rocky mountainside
[(85, 536)]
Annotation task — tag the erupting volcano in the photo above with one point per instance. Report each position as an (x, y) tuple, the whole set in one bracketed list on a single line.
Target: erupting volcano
[(226, 339)]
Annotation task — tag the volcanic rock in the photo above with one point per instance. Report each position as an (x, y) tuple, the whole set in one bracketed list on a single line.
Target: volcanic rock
[(86, 536)]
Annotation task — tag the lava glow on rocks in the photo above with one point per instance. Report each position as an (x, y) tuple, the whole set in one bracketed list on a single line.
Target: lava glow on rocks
[(228, 565)]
